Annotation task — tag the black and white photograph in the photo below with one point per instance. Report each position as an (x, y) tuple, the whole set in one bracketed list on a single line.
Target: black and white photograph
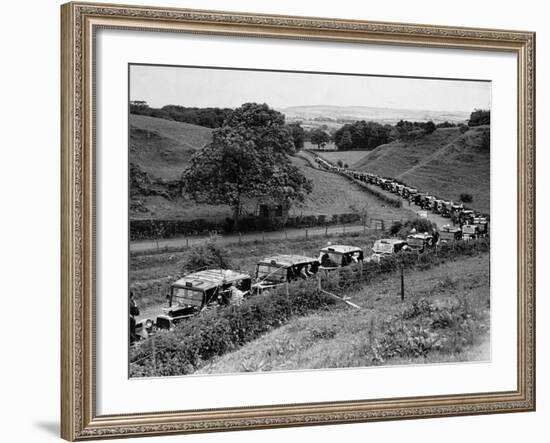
[(283, 220)]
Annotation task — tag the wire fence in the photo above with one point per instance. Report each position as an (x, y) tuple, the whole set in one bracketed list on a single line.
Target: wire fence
[(366, 225)]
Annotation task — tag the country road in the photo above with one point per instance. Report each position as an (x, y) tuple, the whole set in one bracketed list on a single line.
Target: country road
[(291, 233)]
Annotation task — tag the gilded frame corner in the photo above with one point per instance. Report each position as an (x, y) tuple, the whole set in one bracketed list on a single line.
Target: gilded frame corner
[(79, 21)]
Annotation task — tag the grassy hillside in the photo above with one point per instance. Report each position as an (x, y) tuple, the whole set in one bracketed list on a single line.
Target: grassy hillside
[(163, 147), (432, 313), (333, 194), (446, 163)]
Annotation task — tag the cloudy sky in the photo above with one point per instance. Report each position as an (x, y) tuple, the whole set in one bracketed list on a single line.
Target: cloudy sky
[(203, 87)]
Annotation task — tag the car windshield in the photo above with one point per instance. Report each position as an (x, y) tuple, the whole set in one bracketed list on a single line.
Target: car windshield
[(415, 241), (188, 296), (272, 273), (330, 259), (383, 248)]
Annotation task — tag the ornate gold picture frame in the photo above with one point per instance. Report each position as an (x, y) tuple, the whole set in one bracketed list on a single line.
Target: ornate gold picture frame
[(80, 22)]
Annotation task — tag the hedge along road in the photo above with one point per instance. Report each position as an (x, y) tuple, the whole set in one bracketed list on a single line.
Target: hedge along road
[(293, 233)]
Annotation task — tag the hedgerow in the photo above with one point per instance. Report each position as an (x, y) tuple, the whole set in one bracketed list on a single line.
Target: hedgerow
[(221, 330)]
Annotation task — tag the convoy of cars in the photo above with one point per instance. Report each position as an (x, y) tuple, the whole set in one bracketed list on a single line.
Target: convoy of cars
[(333, 257), (280, 269), (386, 247), (200, 290), (195, 292)]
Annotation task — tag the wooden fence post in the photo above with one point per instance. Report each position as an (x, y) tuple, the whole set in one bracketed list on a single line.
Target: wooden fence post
[(402, 284), (153, 353)]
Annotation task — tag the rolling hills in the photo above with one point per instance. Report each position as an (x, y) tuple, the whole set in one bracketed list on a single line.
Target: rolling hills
[(163, 147), (328, 113), (446, 163)]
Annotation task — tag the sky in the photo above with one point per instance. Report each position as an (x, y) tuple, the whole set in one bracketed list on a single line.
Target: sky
[(207, 87)]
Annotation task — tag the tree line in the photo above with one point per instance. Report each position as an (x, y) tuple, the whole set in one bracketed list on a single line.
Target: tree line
[(363, 135), (207, 117)]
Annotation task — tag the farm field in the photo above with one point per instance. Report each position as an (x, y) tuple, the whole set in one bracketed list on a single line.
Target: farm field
[(446, 163), (345, 337)]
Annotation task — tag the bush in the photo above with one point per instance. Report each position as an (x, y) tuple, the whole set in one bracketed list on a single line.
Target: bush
[(400, 229), (466, 198), (480, 117), (422, 327), (205, 255)]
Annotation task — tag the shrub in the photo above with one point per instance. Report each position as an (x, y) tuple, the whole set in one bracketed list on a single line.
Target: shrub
[(402, 229), (466, 198), (422, 327), (480, 117), (205, 255)]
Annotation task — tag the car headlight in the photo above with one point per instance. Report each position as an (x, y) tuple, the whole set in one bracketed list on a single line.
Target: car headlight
[(149, 323)]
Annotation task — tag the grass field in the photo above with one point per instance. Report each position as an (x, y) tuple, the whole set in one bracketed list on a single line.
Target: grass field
[(445, 318), (347, 157), (163, 147), (334, 194), (446, 163)]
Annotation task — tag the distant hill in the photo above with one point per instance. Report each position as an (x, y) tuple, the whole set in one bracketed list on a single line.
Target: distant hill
[(380, 115), (446, 163), (163, 147)]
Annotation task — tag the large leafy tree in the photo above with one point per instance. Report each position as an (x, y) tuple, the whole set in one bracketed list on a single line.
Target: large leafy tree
[(298, 135), (480, 117), (319, 138), (247, 158)]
